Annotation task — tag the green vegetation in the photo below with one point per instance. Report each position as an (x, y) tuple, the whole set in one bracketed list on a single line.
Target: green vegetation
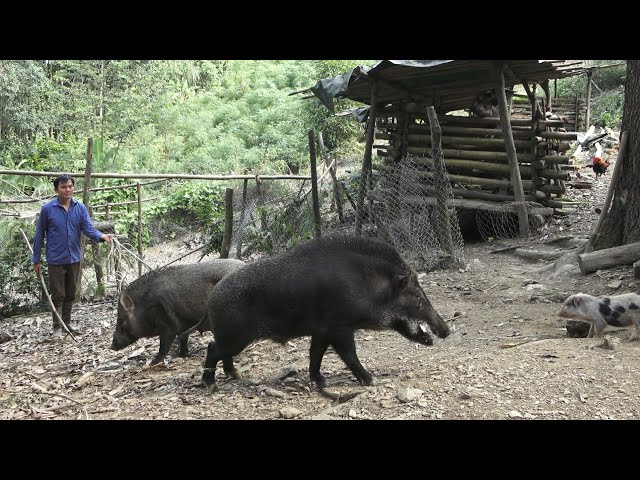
[(607, 96), (147, 116)]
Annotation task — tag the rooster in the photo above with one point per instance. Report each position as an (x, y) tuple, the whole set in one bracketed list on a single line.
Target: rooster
[(598, 164)]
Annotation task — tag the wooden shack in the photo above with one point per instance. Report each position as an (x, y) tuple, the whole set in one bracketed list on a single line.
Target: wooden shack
[(489, 160)]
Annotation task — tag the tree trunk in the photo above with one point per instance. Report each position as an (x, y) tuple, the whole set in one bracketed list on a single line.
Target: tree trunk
[(623, 223)]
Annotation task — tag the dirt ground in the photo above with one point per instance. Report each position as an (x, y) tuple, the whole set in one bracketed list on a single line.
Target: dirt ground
[(508, 358)]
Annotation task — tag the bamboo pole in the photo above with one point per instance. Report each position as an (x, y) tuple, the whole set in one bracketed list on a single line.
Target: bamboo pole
[(523, 217), (228, 223), (471, 131), (156, 175), (379, 195), (314, 184), (416, 139), (129, 202), (472, 154), (481, 166)]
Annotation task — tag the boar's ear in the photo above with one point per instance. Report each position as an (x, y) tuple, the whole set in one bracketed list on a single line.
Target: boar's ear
[(126, 301), (399, 282)]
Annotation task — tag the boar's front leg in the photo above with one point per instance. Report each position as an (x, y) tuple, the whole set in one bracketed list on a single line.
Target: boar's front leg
[(183, 342), (345, 346), (319, 345), (166, 339)]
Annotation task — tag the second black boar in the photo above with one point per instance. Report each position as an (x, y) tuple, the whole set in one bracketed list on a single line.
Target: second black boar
[(325, 288), (166, 302)]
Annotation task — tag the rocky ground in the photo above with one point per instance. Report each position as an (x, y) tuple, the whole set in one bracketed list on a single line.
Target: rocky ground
[(509, 357)]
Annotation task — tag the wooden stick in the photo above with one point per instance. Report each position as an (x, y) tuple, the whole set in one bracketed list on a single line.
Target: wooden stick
[(612, 184)]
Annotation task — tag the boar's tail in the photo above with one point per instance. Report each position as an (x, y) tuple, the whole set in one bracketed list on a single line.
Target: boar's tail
[(189, 331), (336, 397)]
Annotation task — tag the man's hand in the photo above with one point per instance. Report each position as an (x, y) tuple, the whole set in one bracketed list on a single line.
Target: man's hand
[(37, 267), (107, 237)]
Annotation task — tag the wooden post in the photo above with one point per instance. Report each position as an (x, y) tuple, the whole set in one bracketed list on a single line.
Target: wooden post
[(314, 185), (505, 124), (88, 170), (139, 227), (366, 163), (337, 199), (260, 203), (588, 114), (228, 223), (441, 183), (636, 269), (87, 176), (245, 185)]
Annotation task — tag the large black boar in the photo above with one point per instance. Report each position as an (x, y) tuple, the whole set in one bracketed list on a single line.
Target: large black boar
[(326, 288), (166, 302)]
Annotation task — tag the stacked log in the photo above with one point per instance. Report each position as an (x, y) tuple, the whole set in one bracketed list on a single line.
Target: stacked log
[(475, 155), (569, 108)]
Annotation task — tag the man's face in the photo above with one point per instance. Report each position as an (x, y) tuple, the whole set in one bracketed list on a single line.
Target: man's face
[(65, 189)]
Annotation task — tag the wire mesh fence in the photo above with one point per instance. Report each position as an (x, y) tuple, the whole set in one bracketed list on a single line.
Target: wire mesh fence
[(503, 223)]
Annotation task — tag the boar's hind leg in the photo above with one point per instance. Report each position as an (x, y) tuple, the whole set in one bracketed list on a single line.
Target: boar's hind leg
[(214, 354), (345, 346), (210, 363), (319, 345)]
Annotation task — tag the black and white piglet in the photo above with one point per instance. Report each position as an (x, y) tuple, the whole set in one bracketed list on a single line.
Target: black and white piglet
[(616, 311)]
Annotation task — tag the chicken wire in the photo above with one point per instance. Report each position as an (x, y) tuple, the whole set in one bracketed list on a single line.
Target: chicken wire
[(503, 223), (401, 208)]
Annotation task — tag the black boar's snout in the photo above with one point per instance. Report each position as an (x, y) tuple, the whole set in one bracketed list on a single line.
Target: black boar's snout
[(425, 338)]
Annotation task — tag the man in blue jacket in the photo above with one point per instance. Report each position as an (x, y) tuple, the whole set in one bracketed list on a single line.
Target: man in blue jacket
[(61, 221)]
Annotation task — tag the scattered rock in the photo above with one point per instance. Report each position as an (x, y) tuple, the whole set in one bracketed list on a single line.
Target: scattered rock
[(610, 343), (408, 394), (289, 412), (577, 328)]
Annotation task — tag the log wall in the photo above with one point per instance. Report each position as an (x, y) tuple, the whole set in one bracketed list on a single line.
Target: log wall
[(475, 155)]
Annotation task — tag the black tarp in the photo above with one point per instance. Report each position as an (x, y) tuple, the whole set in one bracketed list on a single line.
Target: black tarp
[(329, 88)]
